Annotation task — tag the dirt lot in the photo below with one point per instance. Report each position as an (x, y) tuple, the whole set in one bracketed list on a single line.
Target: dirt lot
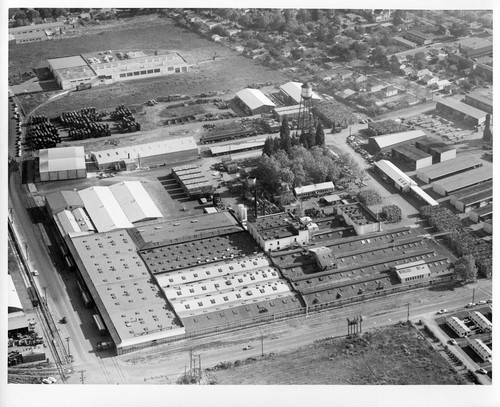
[(396, 355), (228, 72)]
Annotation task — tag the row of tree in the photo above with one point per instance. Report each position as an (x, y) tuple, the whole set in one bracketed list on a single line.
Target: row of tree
[(462, 242)]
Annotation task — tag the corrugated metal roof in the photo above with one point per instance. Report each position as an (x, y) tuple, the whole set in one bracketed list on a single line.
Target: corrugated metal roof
[(462, 108), (388, 140), (103, 208), (254, 98), (394, 173), (61, 199), (68, 222), (67, 62), (472, 190), (465, 179), (411, 152), (145, 150), (450, 166), (424, 195), (62, 159), (294, 90), (135, 201)]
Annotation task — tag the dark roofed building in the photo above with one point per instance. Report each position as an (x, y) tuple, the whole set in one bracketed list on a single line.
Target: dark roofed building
[(63, 200), (436, 148), (480, 100), (412, 156), (461, 111)]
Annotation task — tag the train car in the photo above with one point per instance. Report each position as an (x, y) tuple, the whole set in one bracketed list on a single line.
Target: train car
[(33, 296), (86, 299), (227, 135), (100, 325)]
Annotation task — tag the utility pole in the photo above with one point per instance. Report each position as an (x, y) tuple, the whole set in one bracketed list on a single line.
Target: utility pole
[(473, 294), (69, 353), (26, 251), (199, 367), (408, 314), (262, 343), (45, 295), (82, 377)]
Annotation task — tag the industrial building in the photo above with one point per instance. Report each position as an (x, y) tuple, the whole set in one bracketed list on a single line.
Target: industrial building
[(404, 42), (461, 111), (37, 32), (474, 47), (253, 102), (482, 214), (448, 186), (392, 174), (437, 149), (360, 218), (458, 326), (278, 231), (193, 182), (100, 208), (129, 301), (448, 169), (387, 141), (423, 196), (480, 100), (419, 37), (481, 349), (323, 188), (236, 148), (481, 321), (62, 163), (96, 69), (145, 155), (473, 197), (17, 319), (411, 156), (412, 272), (292, 112), (292, 93)]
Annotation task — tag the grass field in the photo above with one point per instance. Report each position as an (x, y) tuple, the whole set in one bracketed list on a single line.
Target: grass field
[(229, 72), (396, 355)]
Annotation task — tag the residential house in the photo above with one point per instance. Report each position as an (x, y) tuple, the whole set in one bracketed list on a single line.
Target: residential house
[(343, 73), (375, 87), (216, 37), (390, 91), (420, 73), (408, 70), (359, 78), (429, 80)]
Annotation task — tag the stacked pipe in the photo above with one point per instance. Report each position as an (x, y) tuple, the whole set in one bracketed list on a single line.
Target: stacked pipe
[(42, 133)]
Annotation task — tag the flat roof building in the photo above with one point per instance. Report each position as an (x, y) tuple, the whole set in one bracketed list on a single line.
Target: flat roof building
[(392, 174), (142, 155), (448, 168), (437, 149), (412, 156), (387, 141), (423, 196), (62, 163), (292, 91), (71, 71), (322, 188), (412, 272), (193, 182), (360, 218), (461, 111), (473, 47), (482, 214), (253, 102), (473, 197), (448, 186), (480, 100), (292, 112), (129, 301)]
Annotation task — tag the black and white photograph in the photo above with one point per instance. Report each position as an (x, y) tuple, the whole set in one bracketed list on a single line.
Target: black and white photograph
[(248, 204)]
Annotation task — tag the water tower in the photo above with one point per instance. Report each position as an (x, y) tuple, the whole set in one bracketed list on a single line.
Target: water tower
[(306, 118)]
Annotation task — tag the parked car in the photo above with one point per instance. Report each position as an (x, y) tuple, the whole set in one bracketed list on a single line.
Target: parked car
[(482, 302), (481, 370), (452, 342), (248, 347), (442, 311), (470, 305)]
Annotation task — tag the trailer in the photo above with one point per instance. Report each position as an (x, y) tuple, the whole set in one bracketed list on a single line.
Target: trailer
[(33, 296)]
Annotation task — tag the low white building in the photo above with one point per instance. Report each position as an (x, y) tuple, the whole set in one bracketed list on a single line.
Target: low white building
[(458, 326), (62, 163), (323, 188), (481, 349), (481, 321)]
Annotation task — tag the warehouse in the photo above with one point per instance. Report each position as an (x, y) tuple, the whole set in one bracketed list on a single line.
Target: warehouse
[(134, 312), (481, 349), (411, 156), (360, 218), (474, 47), (448, 168), (473, 197), (136, 65), (412, 272), (480, 100), (253, 102), (292, 112), (192, 181), (458, 326), (440, 151), (63, 200), (236, 148), (72, 71), (306, 191), (423, 196), (292, 91), (387, 141), (448, 186), (481, 214), (144, 155), (461, 111), (62, 163), (392, 174)]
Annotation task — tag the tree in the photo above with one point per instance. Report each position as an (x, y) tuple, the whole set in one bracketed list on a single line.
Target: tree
[(487, 134), (391, 213), (465, 269), (394, 65), (459, 30), (369, 197), (320, 135), (398, 17), (286, 142)]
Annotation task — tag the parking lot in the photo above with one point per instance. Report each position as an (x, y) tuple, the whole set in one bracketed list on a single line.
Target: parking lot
[(441, 127)]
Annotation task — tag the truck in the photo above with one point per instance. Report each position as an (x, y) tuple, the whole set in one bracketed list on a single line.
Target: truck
[(83, 86), (104, 345)]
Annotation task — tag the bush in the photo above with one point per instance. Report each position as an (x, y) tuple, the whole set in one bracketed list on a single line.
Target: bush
[(392, 213)]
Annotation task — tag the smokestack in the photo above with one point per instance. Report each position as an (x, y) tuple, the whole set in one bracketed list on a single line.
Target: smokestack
[(255, 199)]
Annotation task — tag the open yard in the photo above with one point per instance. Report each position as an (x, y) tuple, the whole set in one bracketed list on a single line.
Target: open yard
[(395, 355), (228, 72)]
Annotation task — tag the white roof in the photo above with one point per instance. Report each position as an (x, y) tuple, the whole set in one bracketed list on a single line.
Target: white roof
[(62, 159), (68, 222), (424, 195), (389, 139), (254, 98), (135, 201), (103, 208), (145, 150), (294, 90), (314, 187), (394, 173), (12, 296)]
